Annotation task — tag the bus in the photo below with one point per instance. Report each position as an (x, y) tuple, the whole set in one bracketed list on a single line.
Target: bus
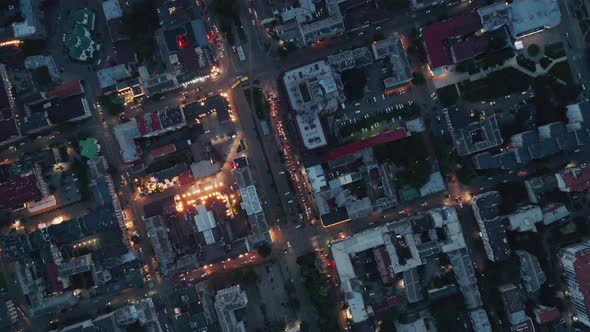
[(241, 53)]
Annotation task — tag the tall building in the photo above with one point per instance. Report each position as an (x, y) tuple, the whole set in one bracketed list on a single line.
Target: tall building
[(492, 225), (575, 261)]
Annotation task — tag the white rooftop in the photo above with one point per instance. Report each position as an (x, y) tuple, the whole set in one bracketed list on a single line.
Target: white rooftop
[(316, 177), (383, 236), (311, 131), (530, 15), (125, 133), (109, 76), (525, 218), (112, 9), (250, 200), (205, 223)]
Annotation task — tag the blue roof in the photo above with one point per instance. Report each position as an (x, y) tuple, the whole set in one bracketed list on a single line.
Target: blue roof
[(200, 32)]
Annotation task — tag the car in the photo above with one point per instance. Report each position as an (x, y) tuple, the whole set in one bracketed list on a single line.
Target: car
[(357, 112), (357, 104), (282, 172), (374, 99), (299, 226), (288, 244)]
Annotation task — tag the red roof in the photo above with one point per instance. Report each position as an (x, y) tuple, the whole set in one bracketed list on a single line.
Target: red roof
[(57, 286), (145, 127), (393, 300), (163, 150), (582, 271), (156, 125), (577, 179), (17, 190), (141, 125), (526, 326), (548, 315), (383, 261), (345, 150), (436, 34), (185, 177), (66, 90), (470, 47)]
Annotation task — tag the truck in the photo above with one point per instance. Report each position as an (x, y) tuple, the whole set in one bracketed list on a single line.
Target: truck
[(241, 53)]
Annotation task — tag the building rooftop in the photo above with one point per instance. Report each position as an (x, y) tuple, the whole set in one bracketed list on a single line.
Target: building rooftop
[(345, 150), (126, 133), (17, 190), (406, 249), (436, 36), (227, 301), (574, 179), (215, 104), (112, 9), (312, 89), (393, 50), (531, 273), (65, 90), (528, 16), (108, 77), (477, 136)]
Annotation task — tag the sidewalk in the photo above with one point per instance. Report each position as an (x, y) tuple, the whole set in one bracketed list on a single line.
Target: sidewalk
[(452, 77)]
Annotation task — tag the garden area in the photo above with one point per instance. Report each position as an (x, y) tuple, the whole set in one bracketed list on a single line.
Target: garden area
[(139, 23), (555, 51), (495, 85), (411, 158), (257, 100), (228, 12), (492, 58), (354, 81), (321, 291), (115, 105), (448, 95)]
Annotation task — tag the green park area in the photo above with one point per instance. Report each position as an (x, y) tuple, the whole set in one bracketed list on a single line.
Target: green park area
[(410, 158)]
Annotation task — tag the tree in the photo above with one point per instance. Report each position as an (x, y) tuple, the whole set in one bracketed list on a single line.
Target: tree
[(418, 78), (512, 194), (354, 81), (139, 23), (465, 172), (533, 50), (397, 4), (42, 76), (264, 250), (303, 326)]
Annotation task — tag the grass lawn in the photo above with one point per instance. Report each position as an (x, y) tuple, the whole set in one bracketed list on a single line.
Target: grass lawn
[(258, 101), (448, 95), (555, 51), (561, 71), (495, 85)]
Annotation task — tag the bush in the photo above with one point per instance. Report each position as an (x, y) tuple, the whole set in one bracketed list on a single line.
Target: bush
[(545, 62), (418, 78), (264, 250), (354, 81), (42, 76), (113, 104), (533, 50), (555, 51), (526, 63), (139, 23), (448, 95)]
